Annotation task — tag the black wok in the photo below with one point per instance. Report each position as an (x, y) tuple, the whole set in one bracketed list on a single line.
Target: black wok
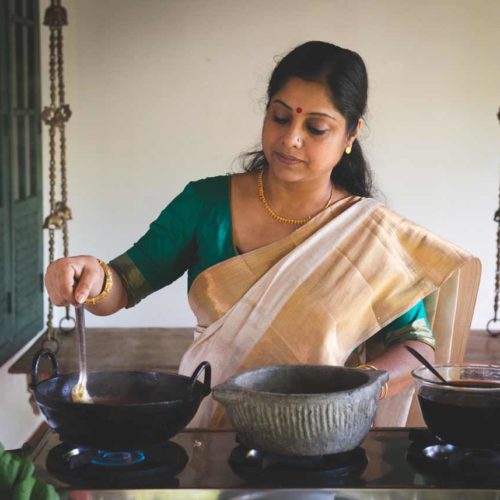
[(132, 409)]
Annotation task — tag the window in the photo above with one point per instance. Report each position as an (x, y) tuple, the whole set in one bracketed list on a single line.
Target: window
[(21, 241)]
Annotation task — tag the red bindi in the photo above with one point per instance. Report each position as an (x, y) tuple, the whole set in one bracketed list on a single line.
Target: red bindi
[(299, 110)]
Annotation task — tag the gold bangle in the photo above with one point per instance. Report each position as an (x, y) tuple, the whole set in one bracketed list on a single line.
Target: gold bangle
[(367, 367), (384, 389), (108, 283)]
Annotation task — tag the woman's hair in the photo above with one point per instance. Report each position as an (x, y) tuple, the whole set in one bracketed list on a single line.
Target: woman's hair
[(343, 72)]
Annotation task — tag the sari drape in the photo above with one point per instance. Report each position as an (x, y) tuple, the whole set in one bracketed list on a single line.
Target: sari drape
[(318, 294)]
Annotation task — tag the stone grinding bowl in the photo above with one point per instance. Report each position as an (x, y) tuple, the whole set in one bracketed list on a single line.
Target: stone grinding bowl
[(302, 410)]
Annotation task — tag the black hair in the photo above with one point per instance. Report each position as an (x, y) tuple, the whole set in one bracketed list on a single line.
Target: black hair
[(344, 74)]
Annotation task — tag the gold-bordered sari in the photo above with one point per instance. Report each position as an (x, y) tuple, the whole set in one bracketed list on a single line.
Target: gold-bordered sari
[(323, 291)]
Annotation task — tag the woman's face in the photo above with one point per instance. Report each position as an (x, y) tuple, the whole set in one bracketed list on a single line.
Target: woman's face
[(304, 135)]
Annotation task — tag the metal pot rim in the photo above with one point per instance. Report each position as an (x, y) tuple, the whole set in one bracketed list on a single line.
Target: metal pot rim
[(424, 376), (59, 402)]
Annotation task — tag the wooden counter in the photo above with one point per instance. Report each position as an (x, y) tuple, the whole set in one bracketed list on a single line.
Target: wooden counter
[(161, 349), (482, 348), (158, 349)]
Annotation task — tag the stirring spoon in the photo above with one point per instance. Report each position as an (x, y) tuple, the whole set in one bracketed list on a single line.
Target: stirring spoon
[(426, 363), (79, 393)]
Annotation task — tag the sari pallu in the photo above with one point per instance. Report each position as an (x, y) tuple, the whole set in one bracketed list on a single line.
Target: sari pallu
[(317, 295)]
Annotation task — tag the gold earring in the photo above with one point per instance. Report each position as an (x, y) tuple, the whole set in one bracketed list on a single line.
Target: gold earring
[(348, 150)]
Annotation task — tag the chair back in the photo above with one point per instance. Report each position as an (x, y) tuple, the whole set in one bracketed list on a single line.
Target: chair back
[(449, 309)]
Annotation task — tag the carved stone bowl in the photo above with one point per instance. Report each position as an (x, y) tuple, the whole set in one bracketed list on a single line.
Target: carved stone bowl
[(302, 410)]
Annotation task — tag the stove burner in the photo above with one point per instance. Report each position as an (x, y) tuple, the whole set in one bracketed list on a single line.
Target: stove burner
[(476, 463), (324, 470), (155, 467), (444, 461), (118, 458), (438, 452)]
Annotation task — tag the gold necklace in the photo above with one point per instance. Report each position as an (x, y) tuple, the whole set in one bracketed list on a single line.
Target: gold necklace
[(274, 215)]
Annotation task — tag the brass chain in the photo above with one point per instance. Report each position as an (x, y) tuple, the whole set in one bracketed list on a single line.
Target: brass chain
[(50, 335), (55, 117), (62, 135), (497, 272), (491, 322)]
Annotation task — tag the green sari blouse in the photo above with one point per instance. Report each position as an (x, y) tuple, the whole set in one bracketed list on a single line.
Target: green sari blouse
[(193, 233)]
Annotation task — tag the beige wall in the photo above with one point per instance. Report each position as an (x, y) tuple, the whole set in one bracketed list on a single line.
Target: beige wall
[(164, 92)]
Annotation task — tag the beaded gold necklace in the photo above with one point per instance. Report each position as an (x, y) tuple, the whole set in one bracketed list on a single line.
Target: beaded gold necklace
[(274, 215)]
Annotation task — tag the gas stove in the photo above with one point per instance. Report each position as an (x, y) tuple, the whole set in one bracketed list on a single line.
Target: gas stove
[(388, 460)]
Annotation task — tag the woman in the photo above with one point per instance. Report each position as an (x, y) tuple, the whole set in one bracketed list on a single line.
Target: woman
[(291, 261)]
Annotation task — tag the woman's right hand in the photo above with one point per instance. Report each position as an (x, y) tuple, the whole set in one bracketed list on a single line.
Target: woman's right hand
[(71, 280)]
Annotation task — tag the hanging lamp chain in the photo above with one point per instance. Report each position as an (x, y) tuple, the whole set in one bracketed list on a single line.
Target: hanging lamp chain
[(497, 271), (63, 208), (491, 326), (55, 116)]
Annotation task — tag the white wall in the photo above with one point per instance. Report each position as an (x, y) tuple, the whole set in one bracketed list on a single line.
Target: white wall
[(17, 419), (165, 91)]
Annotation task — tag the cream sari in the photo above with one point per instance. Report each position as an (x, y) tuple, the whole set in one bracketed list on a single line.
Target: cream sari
[(323, 291)]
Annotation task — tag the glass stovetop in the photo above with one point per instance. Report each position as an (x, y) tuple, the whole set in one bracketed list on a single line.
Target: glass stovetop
[(208, 469)]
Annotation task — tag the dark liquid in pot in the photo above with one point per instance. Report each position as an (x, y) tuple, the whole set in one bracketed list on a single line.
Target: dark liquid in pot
[(480, 384), (468, 419)]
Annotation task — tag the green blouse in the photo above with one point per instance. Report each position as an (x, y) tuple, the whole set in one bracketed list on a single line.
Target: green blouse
[(193, 233)]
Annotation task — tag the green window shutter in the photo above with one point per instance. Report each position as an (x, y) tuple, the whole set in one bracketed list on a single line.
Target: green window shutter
[(22, 255), (5, 268)]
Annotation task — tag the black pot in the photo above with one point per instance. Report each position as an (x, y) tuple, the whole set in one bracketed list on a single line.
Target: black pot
[(131, 409)]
